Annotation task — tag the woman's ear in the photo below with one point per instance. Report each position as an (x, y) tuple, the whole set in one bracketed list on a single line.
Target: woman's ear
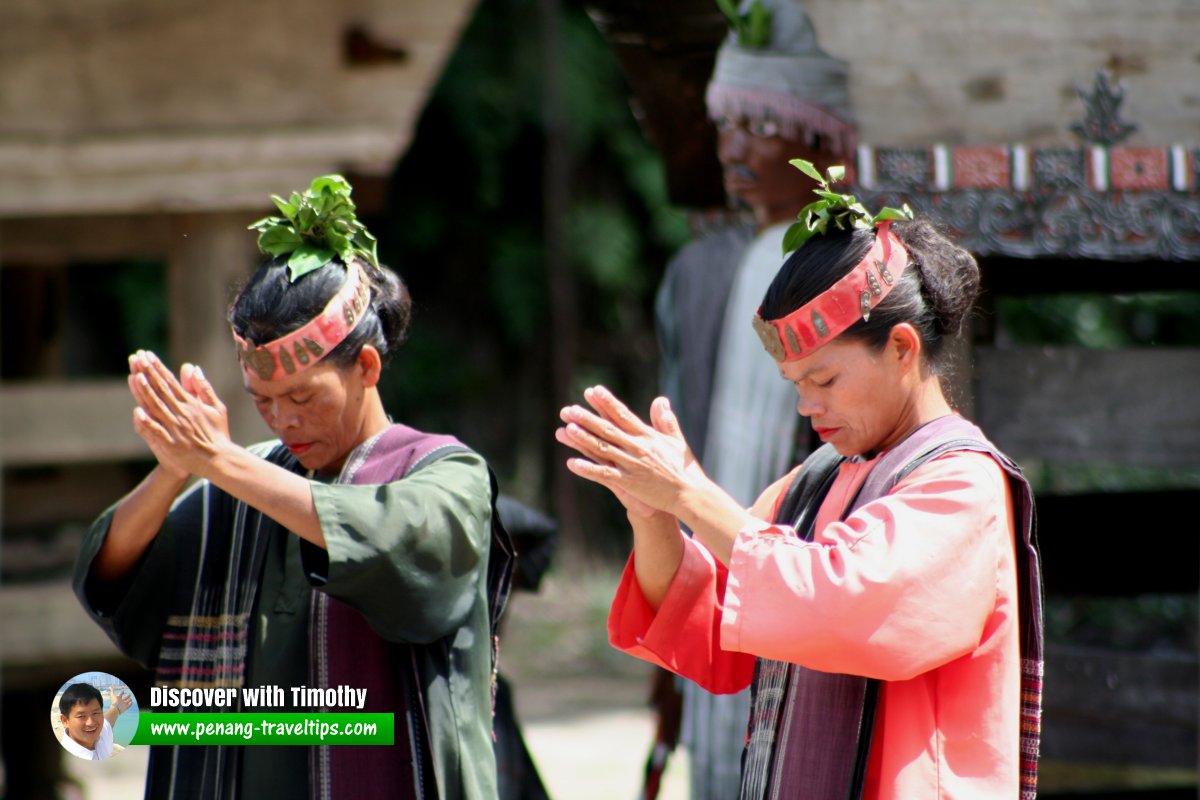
[(906, 342), (370, 364)]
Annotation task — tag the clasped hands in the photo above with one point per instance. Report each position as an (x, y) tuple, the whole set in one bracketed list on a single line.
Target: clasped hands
[(647, 466), (182, 420)]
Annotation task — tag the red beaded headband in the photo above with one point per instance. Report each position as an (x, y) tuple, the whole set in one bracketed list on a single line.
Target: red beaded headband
[(305, 346), (829, 314)]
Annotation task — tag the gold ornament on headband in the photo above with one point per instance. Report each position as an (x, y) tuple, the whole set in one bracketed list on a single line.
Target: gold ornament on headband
[(833, 210), (813, 325), (302, 348), (315, 227)]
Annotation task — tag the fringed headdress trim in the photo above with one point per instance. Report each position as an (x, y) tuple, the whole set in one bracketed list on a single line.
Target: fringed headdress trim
[(798, 119), (771, 67)]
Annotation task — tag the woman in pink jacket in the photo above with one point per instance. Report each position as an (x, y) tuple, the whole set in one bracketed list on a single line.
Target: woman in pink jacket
[(884, 598)]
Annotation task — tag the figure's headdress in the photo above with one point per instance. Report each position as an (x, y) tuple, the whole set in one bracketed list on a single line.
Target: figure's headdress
[(770, 67), (316, 227), (855, 295)]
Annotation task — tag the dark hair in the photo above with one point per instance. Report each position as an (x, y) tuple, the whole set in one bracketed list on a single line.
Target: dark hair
[(934, 295), (78, 693), (270, 306)]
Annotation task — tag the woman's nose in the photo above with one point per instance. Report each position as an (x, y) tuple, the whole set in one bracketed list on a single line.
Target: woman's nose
[(807, 407), (286, 417), (277, 417)]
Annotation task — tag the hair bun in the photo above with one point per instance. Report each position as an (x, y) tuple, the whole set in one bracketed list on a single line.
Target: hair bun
[(392, 303), (949, 274)]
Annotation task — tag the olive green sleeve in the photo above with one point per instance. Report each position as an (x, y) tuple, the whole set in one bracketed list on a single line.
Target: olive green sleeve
[(132, 611), (410, 555)]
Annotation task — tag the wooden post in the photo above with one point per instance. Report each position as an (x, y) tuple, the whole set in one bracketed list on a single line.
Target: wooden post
[(210, 256), (564, 326)]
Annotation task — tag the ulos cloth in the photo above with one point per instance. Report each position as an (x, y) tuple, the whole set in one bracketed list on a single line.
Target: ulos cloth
[(410, 556), (917, 589)]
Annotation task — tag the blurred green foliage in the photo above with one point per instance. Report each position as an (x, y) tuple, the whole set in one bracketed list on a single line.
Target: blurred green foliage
[(1102, 320), (139, 290), (1059, 479), (134, 294), (466, 228), (1161, 623)]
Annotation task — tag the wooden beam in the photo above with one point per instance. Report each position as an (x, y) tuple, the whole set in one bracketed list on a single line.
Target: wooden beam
[(1107, 707), (212, 256), (51, 423), (54, 241), (44, 498), (44, 623), (1064, 405), (195, 171)]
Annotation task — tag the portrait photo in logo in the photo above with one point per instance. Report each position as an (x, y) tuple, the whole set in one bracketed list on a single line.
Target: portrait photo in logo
[(94, 716)]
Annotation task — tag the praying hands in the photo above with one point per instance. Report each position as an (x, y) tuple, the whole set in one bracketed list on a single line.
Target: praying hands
[(652, 471), (645, 466), (182, 420)]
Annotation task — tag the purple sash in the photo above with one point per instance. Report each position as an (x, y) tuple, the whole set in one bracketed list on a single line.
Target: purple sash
[(346, 651)]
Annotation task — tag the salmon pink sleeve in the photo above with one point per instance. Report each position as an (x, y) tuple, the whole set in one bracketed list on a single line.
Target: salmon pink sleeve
[(905, 584), (684, 635)]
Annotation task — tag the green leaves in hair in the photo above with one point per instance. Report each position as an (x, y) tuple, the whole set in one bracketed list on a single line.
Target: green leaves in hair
[(753, 29), (315, 227), (840, 211)]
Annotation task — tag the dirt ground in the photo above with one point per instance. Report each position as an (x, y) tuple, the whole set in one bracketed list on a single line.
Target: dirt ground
[(582, 704)]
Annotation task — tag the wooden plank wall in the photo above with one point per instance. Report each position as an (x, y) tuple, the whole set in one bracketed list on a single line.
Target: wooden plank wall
[(1135, 407), (1138, 407)]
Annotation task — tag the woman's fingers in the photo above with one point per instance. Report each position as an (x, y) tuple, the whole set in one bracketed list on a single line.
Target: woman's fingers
[(598, 427), (190, 379), (610, 478), (185, 407), (152, 390), (136, 384), (612, 420), (663, 418), (151, 401), (594, 447), (643, 464), (622, 440), (151, 432), (164, 381), (612, 409), (597, 473), (197, 384)]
